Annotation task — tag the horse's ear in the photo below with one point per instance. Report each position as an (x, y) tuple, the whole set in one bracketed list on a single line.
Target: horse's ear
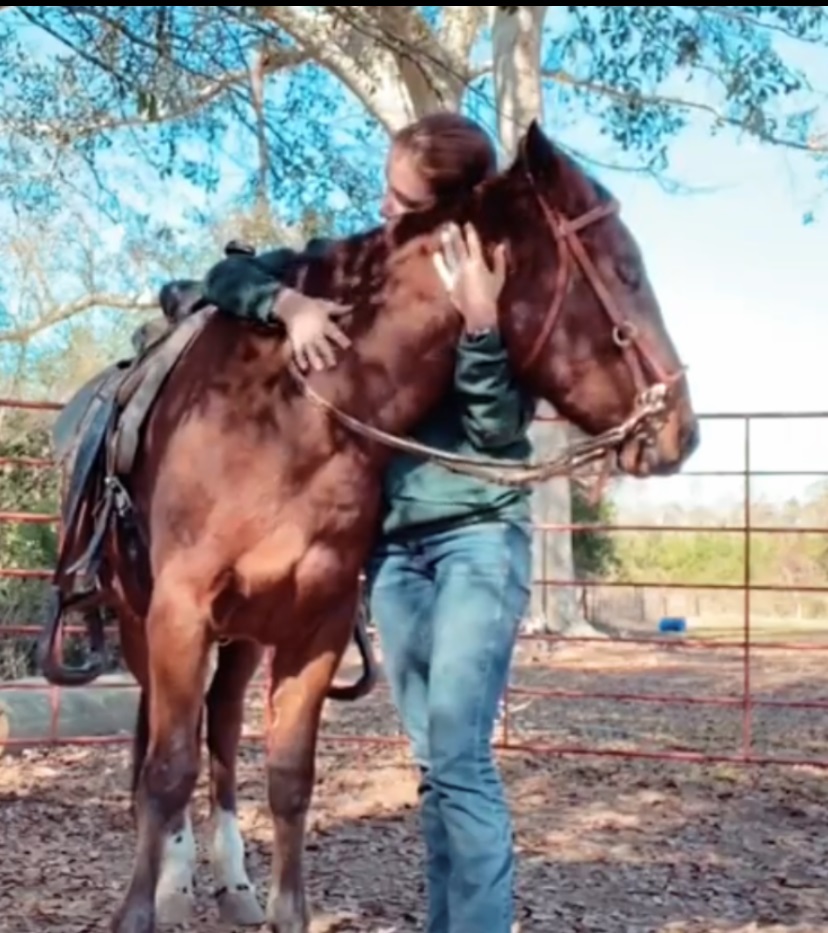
[(536, 148)]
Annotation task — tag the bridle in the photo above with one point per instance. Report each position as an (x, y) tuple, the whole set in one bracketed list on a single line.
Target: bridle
[(571, 251), (652, 402)]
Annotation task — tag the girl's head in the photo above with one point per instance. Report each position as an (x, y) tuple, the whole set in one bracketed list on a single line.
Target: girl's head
[(439, 157)]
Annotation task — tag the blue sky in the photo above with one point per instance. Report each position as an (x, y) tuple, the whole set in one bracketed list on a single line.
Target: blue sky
[(741, 279)]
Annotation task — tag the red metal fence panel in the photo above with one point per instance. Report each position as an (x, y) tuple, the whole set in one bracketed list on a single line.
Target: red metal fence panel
[(746, 701)]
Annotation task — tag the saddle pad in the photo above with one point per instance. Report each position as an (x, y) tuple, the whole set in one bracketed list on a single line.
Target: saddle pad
[(80, 433), (90, 405), (138, 393), (120, 397)]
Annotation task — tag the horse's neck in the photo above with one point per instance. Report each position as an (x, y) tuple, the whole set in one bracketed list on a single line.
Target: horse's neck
[(407, 367), (402, 363), (397, 371), (402, 359)]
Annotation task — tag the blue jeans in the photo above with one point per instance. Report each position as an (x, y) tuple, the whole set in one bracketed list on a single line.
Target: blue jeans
[(448, 607)]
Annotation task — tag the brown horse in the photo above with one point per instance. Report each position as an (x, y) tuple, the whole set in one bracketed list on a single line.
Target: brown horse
[(259, 495)]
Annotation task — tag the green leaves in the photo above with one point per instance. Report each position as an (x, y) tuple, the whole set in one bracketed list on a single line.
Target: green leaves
[(645, 71)]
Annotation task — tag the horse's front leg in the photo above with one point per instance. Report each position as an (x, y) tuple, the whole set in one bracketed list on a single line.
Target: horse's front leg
[(174, 893), (235, 892), (301, 673), (177, 667)]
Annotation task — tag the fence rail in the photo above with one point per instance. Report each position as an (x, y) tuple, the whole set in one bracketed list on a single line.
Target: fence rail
[(645, 593)]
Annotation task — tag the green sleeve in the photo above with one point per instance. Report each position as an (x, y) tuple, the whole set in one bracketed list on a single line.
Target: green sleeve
[(246, 286), (494, 411)]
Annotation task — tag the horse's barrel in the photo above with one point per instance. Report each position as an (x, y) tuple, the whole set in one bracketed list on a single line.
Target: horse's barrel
[(239, 248)]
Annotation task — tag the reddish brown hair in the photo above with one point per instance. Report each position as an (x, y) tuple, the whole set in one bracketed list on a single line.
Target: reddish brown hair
[(450, 151)]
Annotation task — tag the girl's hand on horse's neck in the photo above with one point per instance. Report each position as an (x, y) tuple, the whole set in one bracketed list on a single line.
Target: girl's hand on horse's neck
[(473, 285), (312, 333)]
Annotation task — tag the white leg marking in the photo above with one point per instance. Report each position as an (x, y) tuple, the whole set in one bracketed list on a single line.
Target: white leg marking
[(174, 896), (228, 852), (235, 891)]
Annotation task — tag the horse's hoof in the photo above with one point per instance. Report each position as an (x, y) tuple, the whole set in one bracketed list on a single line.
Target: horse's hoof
[(240, 908), (133, 921), (173, 908), (287, 914)]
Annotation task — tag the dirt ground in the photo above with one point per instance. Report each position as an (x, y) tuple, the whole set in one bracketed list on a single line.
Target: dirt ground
[(606, 845)]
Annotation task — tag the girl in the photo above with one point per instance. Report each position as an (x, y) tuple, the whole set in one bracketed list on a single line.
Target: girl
[(449, 580)]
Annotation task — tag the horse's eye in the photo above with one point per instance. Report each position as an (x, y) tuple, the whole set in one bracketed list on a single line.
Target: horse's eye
[(629, 271)]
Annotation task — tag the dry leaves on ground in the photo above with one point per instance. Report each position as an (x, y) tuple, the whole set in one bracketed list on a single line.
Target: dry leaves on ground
[(606, 845)]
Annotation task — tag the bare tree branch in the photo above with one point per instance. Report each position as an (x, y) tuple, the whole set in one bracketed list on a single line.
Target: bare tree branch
[(389, 57), (428, 65), (367, 72), (458, 30), (65, 312), (813, 145), (270, 62)]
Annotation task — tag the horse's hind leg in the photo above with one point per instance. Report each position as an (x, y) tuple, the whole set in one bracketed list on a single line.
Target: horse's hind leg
[(301, 673), (177, 664), (235, 892), (140, 741)]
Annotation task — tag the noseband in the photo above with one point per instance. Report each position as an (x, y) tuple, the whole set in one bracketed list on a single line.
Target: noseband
[(571, 252)]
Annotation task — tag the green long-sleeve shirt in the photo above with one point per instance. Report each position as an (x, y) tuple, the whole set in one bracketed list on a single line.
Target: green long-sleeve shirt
[(487, 413)]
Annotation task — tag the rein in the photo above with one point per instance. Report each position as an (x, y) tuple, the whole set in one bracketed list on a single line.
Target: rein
[(645, 420)]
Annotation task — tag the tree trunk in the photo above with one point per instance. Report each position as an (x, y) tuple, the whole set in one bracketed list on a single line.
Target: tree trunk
[(516, 47), (396, 88)]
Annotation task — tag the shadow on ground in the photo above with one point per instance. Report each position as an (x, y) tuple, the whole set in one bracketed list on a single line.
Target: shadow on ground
[(605, 846)]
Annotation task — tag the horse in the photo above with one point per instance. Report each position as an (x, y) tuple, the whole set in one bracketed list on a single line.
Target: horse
[(91, 426), (256, 489)]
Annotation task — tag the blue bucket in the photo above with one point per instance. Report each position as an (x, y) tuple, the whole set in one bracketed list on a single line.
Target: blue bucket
[(673, 625)]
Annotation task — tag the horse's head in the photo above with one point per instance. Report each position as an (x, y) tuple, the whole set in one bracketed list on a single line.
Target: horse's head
[(581, 319)]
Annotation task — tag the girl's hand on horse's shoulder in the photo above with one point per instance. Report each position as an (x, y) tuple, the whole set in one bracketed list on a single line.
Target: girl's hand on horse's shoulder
[(310, 328), (473, 285)]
